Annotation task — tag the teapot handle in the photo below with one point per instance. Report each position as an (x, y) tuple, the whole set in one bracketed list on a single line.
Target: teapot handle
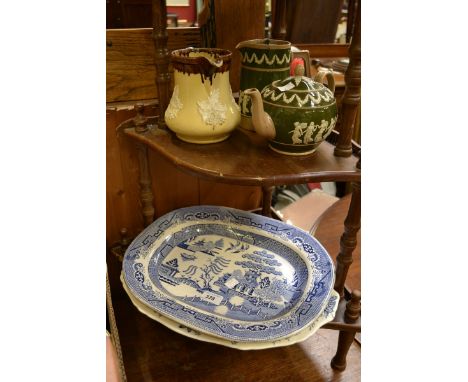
[(330, 79)]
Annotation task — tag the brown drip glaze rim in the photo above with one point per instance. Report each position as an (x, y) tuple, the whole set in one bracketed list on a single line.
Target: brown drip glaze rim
[(182, 61)]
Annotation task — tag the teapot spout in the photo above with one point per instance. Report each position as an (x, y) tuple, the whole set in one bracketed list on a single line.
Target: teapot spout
[(261, 121)]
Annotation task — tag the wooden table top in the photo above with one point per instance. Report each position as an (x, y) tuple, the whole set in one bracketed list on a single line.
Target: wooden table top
[(245, 159)]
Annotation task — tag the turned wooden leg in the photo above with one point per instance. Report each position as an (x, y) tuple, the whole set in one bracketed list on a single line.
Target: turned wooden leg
[(124, 239), (352, 94), (140, 120), (348, 239), (346, 338), (161, 57), (353, 307), (146, 193), (119, 249), (267, 192)]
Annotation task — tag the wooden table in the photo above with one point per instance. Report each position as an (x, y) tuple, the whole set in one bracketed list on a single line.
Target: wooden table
[(243, 159)]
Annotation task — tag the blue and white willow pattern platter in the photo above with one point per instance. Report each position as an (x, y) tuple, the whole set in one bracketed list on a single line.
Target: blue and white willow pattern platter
[(229, 273), (327, 315)]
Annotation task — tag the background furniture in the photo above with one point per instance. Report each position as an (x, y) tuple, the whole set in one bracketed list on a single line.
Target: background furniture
[(137, 14), (234, 21), (309, 21), (335, 160), (321, 24)]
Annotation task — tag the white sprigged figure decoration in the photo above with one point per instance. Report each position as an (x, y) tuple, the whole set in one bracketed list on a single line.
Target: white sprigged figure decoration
[(213, 112)]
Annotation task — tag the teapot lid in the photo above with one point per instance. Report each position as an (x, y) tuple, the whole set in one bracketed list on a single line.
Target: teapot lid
[(298, 91)]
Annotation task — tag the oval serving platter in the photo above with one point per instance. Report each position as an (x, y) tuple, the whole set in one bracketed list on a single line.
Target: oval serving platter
[(326, 316), (230, 273)]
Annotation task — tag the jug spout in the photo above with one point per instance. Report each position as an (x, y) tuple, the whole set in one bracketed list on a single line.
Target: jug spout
[(261, 121), (214, 61)]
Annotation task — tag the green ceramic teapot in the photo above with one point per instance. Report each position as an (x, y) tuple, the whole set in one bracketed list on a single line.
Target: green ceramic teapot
[(296, 114)]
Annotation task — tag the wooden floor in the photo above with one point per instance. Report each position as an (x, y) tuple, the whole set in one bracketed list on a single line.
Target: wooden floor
[(152, 352)]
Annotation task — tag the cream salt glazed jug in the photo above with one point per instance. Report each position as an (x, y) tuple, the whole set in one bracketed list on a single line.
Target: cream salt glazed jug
[(202, 108)]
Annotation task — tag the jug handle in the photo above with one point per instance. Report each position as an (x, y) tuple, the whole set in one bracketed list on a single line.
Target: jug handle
[(319, 77), (304, 55)]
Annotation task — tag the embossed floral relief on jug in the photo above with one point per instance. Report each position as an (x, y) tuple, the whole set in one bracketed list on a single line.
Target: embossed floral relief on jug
[(202, 108), (262, 62)]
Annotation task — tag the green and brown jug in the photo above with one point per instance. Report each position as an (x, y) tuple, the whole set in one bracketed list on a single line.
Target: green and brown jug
[(262, 62)]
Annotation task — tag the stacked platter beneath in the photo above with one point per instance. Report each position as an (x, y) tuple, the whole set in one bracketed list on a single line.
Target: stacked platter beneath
[(231, 277)]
